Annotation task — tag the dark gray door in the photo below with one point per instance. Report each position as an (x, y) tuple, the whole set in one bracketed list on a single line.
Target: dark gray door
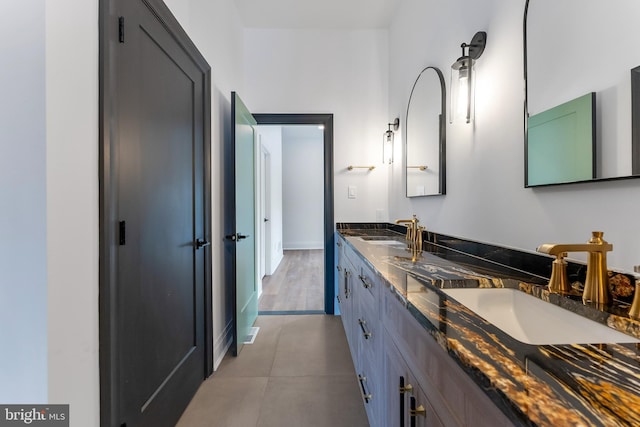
[(161, 254)]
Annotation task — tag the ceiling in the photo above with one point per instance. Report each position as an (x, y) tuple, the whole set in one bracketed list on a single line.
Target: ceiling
[(323, 14)]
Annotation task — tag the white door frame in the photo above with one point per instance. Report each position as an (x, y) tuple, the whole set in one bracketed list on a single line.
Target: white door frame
[(264, 216)]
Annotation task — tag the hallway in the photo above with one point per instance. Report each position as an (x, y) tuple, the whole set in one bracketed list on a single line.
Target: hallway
[(296, 285), (298, 372)]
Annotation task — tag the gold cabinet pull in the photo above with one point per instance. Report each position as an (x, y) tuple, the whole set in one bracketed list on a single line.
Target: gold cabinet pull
[(413, 411), (420, 410), (351, 167), (403, 388), (406, 389)]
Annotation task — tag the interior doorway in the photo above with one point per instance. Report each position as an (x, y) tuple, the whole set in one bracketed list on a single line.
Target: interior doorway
[(292, 229), (297, 221)]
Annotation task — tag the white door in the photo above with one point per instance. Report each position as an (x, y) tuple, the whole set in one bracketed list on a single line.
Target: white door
[(265, 211)]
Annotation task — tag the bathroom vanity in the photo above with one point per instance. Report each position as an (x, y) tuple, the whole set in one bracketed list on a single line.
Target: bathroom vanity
[(426, 354)]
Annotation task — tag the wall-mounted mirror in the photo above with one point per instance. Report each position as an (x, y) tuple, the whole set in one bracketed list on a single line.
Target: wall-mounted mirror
[(425, 135), (574, 48)]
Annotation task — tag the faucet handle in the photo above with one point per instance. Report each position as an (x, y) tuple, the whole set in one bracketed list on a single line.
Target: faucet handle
[(419, 238), (559, 282), (634, 310)]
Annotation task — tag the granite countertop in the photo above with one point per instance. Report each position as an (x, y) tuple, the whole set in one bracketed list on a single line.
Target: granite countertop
[(546, 385)]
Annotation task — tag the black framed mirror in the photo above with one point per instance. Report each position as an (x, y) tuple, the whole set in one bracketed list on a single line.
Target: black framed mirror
[(425, 135), (566, 57)]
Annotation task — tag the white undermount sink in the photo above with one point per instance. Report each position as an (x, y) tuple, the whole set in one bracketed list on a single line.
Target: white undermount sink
[(382, 241), (533, 321)]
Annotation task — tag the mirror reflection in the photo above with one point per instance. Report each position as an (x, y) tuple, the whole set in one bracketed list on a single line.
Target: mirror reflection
[(567, 58), (425, 135)]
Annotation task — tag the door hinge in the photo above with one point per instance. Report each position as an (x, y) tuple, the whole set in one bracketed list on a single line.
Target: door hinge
[(122, 240), (121, 29)]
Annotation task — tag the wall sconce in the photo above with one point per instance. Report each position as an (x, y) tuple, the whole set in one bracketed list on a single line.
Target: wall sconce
[(387, 141), (463, 79)]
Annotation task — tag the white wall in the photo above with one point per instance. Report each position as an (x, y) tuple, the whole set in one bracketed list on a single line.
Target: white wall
[(72, 206), (23, 240), (271, 138), (333, 71), (303, 190), (485, 196)]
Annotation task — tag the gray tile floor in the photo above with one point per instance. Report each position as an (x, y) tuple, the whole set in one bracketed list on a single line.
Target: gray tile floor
[(297, 373)]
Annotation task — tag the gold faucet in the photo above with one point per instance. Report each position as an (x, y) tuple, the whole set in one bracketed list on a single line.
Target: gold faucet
[(596, 285), (634, 310), (414, 234)]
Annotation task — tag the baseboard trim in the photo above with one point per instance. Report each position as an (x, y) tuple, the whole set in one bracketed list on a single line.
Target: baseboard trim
[(301, 246), (286, 312), (276, 262)]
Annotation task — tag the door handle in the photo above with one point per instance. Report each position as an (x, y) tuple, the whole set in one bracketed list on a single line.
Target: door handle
[(266, 219), (235, 237), (201, 243)]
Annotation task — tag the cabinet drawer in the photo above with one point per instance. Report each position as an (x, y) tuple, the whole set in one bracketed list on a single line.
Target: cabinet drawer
[(420, 409), (368, 302), (351, 254), (365, 276)]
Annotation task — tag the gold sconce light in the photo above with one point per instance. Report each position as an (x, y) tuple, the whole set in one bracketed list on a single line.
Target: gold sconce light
[(387, 141), (463, 79)]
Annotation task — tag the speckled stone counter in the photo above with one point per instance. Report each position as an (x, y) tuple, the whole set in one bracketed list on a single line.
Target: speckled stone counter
[(546, 385)]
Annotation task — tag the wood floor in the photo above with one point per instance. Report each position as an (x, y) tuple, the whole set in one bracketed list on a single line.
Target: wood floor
[(296, 285), (297, 373)]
